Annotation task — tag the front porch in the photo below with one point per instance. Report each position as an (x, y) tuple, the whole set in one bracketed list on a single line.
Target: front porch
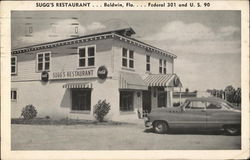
[(143, 95)]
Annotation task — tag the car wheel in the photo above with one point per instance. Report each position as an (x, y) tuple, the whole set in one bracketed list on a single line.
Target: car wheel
[(232, 130), (160, 127)]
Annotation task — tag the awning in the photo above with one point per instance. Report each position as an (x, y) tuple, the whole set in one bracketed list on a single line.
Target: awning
[(131, 81), (163, 80), (78, 85)]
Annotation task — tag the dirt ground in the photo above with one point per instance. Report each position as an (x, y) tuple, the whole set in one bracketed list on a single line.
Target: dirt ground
[(114, 137)]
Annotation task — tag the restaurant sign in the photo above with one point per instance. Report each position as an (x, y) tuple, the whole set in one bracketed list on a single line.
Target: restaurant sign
[(72, 74)]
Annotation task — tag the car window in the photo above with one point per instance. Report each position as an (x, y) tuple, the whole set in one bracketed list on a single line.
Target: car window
[(196, 105), (213, 106)]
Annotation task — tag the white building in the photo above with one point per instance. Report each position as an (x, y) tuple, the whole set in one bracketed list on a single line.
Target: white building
[(66, 78)]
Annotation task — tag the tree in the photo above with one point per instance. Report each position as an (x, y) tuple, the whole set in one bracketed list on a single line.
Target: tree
[(214, 92), (187, 90), (237, 96), (222, 94), (229, 92)]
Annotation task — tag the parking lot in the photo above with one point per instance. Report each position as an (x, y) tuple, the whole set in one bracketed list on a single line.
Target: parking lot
[(114, 137)]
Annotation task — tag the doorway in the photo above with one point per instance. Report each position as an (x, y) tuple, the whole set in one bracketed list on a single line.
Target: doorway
[(146, 101)]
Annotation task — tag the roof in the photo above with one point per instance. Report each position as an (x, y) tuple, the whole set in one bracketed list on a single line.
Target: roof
[(120, 34), (124, 31)]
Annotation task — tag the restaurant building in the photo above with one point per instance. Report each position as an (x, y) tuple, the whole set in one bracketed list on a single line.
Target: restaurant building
[(66, 78)]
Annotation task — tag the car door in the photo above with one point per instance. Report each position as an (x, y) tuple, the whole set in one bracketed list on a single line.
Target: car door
[(194, 115), (217, 115)]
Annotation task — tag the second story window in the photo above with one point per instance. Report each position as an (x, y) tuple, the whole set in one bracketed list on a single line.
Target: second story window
[(127, 58), (13, 65), (86, 56), (165, 67), (148, 63), (160, 66), (28, 29), (13, 95), (43, 61)]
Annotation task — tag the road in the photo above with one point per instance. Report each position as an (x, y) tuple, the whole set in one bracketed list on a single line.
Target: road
[(114, 137)]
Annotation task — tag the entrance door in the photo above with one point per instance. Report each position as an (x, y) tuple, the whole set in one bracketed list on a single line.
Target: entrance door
[(162, 99), (194, 116), (146, 101)]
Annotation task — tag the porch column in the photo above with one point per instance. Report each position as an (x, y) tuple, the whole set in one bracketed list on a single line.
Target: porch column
[(171, 97)]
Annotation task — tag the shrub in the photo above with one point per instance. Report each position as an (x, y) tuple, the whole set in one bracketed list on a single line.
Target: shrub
[(29, 112), (101, 109)]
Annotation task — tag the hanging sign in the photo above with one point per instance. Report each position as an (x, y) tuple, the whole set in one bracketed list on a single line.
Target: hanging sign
[(45, 76), (176, 81), (102, 72)]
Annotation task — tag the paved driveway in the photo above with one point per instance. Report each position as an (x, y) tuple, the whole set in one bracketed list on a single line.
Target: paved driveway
[(112, 137)]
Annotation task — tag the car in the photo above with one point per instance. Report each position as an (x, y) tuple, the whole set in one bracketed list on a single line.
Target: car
[(198, 114)]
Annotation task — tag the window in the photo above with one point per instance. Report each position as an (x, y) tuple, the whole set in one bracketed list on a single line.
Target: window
[(86, 56), (13, 65), (127, 58), (148, 63), (165, 67), (76, 29), (213, 106), (124, 57), (196, 105), (81, 99), (126, 101), (13, 95), (43, 61), (53, 27), (28, 29), (160, 66)]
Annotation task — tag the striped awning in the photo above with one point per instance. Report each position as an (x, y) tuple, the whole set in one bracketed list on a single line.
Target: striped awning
[(162, 80), (78, 85), (131, 81)]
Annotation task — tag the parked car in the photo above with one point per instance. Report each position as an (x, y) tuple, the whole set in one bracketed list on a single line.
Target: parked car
[(196, 113)]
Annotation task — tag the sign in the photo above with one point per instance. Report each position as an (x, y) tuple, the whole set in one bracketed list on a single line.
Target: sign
[(45, 76), (176, 81), (102, 72), (72, 74)]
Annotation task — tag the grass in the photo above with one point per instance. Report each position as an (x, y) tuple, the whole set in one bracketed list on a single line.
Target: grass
[(64, 121)]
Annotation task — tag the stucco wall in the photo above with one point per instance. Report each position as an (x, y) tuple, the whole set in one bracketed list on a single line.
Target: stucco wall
[(139, 59), (51, 99)]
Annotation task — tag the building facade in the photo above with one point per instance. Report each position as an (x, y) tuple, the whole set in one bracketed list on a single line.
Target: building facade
[(66, 78)]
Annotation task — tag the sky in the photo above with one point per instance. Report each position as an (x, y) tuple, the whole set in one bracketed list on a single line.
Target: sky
[(207, 43)]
